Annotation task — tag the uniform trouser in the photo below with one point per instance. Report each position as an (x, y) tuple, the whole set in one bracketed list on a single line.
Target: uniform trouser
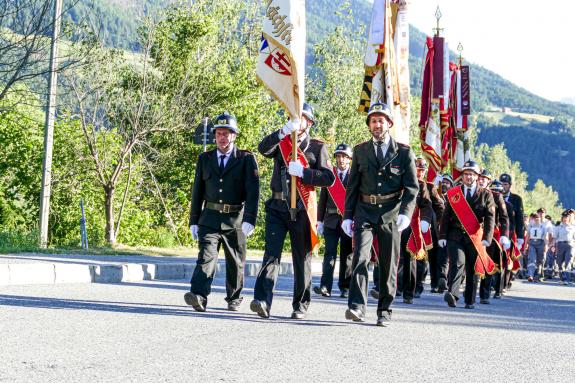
[(234, 243), (422, 269), (536, 257), (462, 257), (433, 258), (495, 253), (443, 267), (501, 279), (407, 271), (565, 254), (389, 244), (549, 264), (333, 237), (376, 277), (278, 224)]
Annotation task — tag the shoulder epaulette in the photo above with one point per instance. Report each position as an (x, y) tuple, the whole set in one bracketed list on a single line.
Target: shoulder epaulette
[(404, 145)]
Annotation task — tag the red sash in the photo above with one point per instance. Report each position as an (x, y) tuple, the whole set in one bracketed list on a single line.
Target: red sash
[(306, 192), (484, 264), (513, 254), (416, 245), (337, 193)]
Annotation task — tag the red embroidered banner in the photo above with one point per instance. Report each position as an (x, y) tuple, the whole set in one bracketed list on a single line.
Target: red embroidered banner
[(464, 213), (416, 245), (306, 192)]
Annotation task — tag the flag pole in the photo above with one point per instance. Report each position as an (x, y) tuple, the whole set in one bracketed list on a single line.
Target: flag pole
[(293, 193)]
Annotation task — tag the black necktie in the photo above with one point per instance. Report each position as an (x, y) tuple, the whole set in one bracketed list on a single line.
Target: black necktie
[(341, 176), (222, 158), (468, 194), (379, 152)]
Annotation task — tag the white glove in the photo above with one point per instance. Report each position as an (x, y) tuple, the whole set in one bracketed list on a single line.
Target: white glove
[(347, 226), (520, 242), (485, 243), (438, 180), (194, 230), (424, 225), (402, 222), (291, 126), (295, 169), (247, 229), (442, 243), (504, 241), (320, 228)]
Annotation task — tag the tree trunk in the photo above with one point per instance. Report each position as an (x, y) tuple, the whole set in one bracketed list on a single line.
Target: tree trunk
[(109, 205)]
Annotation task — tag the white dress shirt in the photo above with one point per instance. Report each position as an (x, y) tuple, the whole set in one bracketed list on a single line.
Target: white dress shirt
[(227, 154), (384, 146), (471, 189)]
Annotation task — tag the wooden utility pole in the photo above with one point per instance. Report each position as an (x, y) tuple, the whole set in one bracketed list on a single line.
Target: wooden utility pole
[(49, 127)]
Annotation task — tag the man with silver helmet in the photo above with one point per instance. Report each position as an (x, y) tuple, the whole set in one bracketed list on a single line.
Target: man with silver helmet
[(330, 210), (224, 209), (379, 203), (466, 230), (279, 221), (500, 243)]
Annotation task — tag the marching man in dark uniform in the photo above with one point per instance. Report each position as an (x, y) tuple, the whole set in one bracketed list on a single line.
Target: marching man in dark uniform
[(467, 229), (279, 223), (517, 236), (414, 247), (223, 213), (329, 217), (499, 244), (379, 203)]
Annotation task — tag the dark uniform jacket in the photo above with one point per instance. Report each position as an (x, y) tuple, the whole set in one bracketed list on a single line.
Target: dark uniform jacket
[(319, 173), (484, 208), (424, 204), (438, 205), (397, 173), (326, 206), (518, 218), (238, 184), (501, 217)]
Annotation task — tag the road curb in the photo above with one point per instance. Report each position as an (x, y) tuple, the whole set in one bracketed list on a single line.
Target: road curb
[(47, 273)]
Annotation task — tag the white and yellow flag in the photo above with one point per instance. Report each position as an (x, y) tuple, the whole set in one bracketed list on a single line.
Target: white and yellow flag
[(281, 65), (387, 64)]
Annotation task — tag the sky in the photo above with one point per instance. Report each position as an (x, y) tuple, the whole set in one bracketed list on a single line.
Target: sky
[(528, 42)]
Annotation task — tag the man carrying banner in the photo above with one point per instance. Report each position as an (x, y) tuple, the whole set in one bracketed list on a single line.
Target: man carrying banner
[(311, 169), (379, 203), (516, 236), (467, 229), (499, 244), (224, 210), (329, 216)]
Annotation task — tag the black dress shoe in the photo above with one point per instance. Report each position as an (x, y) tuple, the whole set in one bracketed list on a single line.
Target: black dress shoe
[(450, 299), (374, 294), (234, 305), (434, 290), (470, 307), (383, 321), (354, 315), (417, 294), (321, 290), (484, 301), (260, 308), (496, 296), (408, 301), (344, 293), (195, 301), (298, 314)]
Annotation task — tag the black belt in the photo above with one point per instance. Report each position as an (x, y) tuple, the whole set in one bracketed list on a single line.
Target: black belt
[(223, 207), (331, 211), (278, 195), (376, 199)]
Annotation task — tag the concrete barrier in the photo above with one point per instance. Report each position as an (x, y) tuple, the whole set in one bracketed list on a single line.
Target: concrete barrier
[(107, 273), (170, 271), (4, 275), (72, 273), (32, 273)]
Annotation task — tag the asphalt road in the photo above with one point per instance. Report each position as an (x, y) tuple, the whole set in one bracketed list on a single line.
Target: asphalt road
[(143, 332)]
